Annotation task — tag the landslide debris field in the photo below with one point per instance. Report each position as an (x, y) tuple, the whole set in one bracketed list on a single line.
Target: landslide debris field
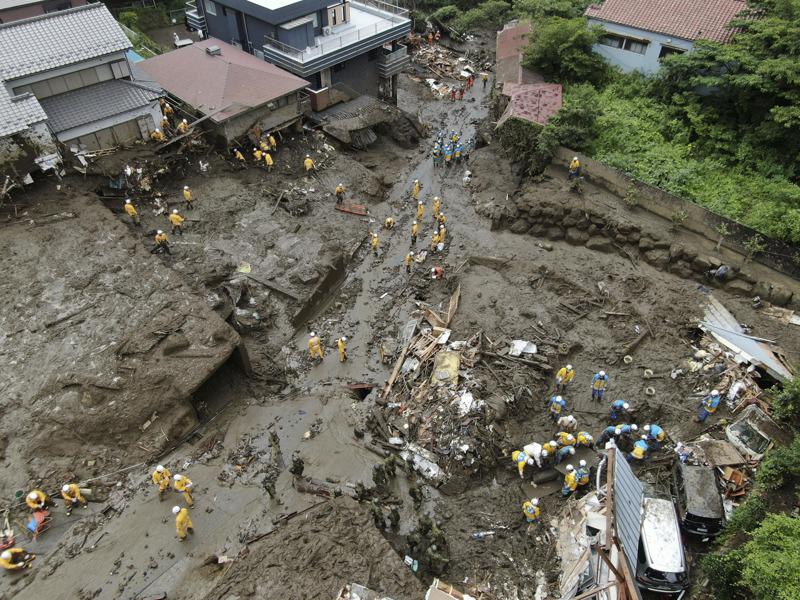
[(307, 476)]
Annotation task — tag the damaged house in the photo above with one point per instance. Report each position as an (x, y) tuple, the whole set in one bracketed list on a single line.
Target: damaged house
[(66, 78), (233, 89)]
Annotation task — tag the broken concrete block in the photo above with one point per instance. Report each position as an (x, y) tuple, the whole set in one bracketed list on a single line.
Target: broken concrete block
[(658, 257), (762, 289), (681, 268), (555, 233), (519, 226), (701, 264), (599, 244), (575, 236), (645, 243), (738, 286), (661, 243), (676, 252), (779, 295), (537, 229)]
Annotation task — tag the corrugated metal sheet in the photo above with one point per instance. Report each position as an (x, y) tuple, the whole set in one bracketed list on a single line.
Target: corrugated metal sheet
[(628, 493), (720, 323)]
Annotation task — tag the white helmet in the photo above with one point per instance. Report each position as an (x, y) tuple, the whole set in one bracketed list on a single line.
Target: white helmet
[(571, 450), (644, 437), (158, 130), (341, 185), (534, 501), (160, 468), (569, 367), (441, 226), (570, 418), (559, 398), (553, 443), (433, 270), (582, 463), (570, 437), (6, 555), (570, 468), (185, 121), (715, 392), (625, 405), (308, 156), (174, 211), (574, 158), (65, 487), (186, 187), (312, 334), (420, 202), (617, 431), (32, 496), (634, 427), (177, 477), (415, 222), (416, 181), (127, 200), (545, 453), (530, 461), (436, 198), (159, 232), (176, 510), (646, 428), (344, 338), (411, 253), (602, 373)]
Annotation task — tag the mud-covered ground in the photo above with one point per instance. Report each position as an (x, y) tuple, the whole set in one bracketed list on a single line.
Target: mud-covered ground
[(579, 305)]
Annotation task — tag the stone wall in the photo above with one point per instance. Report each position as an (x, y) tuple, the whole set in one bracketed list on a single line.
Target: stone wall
[(597, 231)]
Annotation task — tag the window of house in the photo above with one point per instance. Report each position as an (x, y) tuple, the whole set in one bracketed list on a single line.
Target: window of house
[(669, 50), (625, 43), (210, 7)]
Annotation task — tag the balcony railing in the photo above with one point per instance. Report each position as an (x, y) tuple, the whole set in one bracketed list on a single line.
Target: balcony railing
[(330, 43), (392, 62), (194, 18)]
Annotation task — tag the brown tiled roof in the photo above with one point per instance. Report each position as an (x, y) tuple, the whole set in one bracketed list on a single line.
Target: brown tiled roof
[(686, 19), (534, 102), (234, 79), (511, 42)]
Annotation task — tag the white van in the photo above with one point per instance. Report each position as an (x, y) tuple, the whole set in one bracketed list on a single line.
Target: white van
[(661, 564)]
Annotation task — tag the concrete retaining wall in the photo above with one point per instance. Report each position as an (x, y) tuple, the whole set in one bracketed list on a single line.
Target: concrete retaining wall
[(777, 254)]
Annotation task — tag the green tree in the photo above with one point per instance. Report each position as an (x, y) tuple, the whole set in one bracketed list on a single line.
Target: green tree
[(575, 125), (771, 568), (492, 13), (537, 10), (561, 50), (786, 403)]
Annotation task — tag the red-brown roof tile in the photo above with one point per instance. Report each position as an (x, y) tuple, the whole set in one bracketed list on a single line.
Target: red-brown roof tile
[(234, 79), (535, 102), (686, 19)]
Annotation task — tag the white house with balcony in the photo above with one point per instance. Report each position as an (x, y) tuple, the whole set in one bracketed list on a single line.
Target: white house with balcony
[(347, 42), (639, 33)]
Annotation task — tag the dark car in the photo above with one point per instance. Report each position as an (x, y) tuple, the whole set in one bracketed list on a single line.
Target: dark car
[(698, 500)]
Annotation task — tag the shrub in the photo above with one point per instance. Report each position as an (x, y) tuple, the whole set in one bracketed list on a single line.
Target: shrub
[(129, 18), (747, 516), (786, 402), (772, 568), (561, 50), (779, 466), (446, 14), (537, 10), (489, 14), (723, 572)]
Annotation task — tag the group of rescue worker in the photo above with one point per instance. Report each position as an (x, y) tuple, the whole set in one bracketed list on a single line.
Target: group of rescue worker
[(450, 149), (183, 485)]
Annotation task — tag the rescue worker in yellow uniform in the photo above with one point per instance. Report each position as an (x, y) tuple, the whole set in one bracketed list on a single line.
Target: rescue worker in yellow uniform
[(570, 482), (437, 204), (420, 210), (434, 242), (165, 124), (388, 223), (308, 163), (565, 439), (374, 242), (339, 194), (237, 154), (550, 447), (263, 145), (130, 209), (162, 243), (442, 233), (157, 136), (520, 457), (168, 112), (258, 155), (176, 221), (272, 143), (409, 261), (181, 483), (441, 219), (531, 510), (71, 494), (183, 126), (414, 233), (574, 168), (315, 346), (342, 347), (415, 189), (15, 559), (36, 500), (162, 478), (268, 161), (188, 198), (564, 377), (183, 523)]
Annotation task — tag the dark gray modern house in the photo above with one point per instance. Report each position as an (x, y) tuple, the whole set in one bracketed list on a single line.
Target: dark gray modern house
[(323, 41)]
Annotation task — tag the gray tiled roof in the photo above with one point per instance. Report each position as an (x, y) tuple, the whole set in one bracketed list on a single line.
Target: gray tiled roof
[(96, 102), (18, 112), (58, 39)]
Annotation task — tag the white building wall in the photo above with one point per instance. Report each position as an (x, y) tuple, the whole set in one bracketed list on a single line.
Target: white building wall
[(632, 61)]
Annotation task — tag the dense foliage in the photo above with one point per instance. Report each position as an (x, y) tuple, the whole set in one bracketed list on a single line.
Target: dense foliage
[(719, 125), (491, 14), (786, 403), (772, 564)]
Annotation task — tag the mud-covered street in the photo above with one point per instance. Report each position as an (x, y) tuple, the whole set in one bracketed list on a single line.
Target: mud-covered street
[(116, 360)]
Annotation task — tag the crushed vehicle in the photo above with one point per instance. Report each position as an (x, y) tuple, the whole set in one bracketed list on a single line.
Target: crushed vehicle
[(698, 500)]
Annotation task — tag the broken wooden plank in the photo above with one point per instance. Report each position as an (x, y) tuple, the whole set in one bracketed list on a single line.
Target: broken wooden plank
[(539, 365), (453, 306), (433, 318), (273, 286), (353, 209)]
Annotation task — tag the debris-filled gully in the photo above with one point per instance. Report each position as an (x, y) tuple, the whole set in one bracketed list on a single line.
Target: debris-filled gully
[(302, 483)]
